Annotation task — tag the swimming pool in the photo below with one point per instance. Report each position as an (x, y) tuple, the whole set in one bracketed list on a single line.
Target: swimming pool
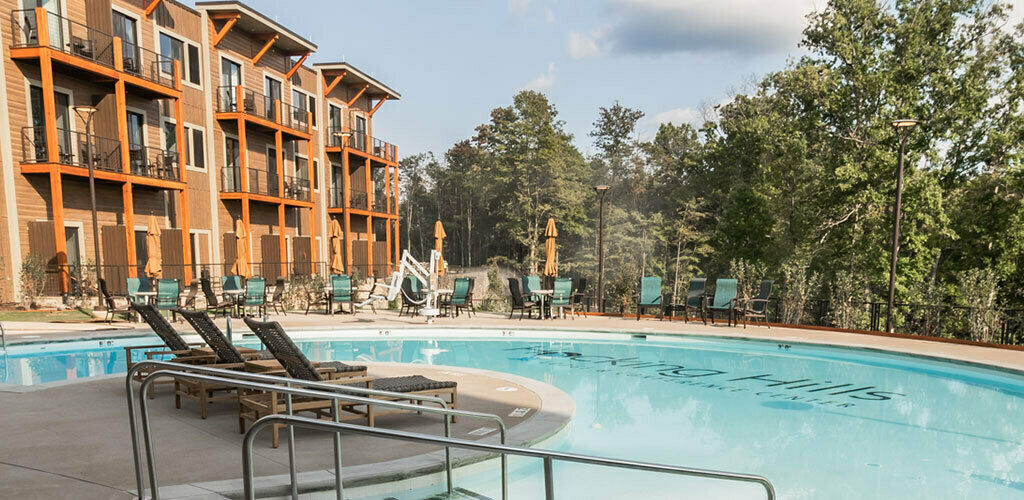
[(819, 422)]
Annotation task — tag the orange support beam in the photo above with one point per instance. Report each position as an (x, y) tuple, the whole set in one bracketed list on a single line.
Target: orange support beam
[(358, 95), (374, 110), (334, 83), (346, 189), (369, 219), (179, 143), (218, 36), (128, 204), (296, 66), (151, 7), (259, 55), (313, 175)]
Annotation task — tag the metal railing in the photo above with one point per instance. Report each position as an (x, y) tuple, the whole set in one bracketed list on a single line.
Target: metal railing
[(269, 383), (359, 200), (294, 118), (296, 188), (65, 35), (336, 198), (72, 149), (383, 149), (548, 457), (259, 181), (261, 106), (153, 162), (380, 202), (146, 64)]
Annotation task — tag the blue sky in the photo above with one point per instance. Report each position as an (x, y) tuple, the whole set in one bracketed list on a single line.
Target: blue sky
[(454, 61)]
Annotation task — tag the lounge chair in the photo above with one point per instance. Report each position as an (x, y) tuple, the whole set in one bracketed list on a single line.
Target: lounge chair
[(757, 307), (255, 406), (213, 305), (519, 301), (724, 299), (167, 299), (256, 296), (341, 293), (562, 296), (460, 297), (180, 350), (650, 296), (694, 301)]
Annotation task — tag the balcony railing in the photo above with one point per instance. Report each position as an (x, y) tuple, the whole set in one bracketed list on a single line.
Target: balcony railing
[(361, 141), (380, 203), (336, 198), (261, 106), (296, 188), (260, 181), (359, 200), (64, 35), (72, 149), (154, 162), (146, 64)]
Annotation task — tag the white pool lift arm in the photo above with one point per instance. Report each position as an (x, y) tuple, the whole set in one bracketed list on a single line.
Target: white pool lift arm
[(428, 276)]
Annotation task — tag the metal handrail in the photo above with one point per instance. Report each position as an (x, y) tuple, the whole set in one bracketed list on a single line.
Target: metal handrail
[(503, 449), (235, 379)]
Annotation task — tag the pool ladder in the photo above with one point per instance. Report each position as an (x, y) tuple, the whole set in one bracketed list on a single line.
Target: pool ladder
[(3, 344)]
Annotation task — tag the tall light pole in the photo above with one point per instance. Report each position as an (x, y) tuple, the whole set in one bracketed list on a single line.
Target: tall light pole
[(86, 113), (902, 128), (601, 190)]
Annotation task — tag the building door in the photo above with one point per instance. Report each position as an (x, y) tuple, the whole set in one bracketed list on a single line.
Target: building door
[(136, 141), (359, 132), (55, 23), (272, 89), (230, 78), (125, 28), (141, 253), (232, 177), (74, 247), (62, 103), (272, 172), (337, 198)]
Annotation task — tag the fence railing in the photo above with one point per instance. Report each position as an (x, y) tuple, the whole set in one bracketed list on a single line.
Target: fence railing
[(72, 149), (153, 162), (383, 149), (380, 203), (259, 181)]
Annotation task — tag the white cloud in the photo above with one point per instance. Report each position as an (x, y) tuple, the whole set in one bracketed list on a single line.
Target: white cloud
[(543, 82), (583, 46), (549, 16), (518, 7), (679, 116)]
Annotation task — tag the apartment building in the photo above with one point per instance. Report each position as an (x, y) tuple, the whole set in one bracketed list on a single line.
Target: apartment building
[(207, 120)]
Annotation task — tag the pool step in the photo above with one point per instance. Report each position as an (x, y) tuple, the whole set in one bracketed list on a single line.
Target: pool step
[(459, 494)]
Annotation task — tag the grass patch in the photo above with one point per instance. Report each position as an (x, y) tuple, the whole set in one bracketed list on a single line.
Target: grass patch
[(70, 316)]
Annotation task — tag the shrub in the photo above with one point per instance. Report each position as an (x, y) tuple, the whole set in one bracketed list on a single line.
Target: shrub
[(33, 278), (495, 299), (847, 301), (797, 288)]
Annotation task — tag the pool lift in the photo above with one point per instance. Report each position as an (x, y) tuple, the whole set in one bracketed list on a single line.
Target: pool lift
[(427, 275)]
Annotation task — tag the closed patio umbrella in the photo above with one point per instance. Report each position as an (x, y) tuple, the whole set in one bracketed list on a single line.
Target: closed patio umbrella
[(241, 266), (551, 252), (438, 245), (337, 264), (153, 267)]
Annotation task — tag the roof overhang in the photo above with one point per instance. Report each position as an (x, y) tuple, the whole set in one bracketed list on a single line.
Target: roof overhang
[(255, 23), (354, 77)]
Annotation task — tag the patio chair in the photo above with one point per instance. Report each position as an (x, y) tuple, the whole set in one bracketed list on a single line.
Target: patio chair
[(298, 366), (530, 284), (189, 302), (562, 297), (412, 299), (234, 284), (459, 297), (579, 296), (167, 299), (136, 285), (518, 301), (256, 295), (650, 296), (277, 300), (341, 293), (180, 350), (694, 301), (757, 307), (212, 304), (724, 299), (316, 298), (108, 299)]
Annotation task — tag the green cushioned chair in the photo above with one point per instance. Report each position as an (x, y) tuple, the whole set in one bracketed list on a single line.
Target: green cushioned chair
[(650, 296), (724, 299), (562, 297), (341, 292), (256, 295), (167, 291)]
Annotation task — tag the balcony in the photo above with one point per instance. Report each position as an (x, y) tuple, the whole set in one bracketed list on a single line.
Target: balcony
[(72, 151), (262, 110), (264, 183), (87, 52), (339, 137)]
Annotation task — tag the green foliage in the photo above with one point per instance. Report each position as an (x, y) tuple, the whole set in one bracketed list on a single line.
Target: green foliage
[(495, 299), (33, 279)]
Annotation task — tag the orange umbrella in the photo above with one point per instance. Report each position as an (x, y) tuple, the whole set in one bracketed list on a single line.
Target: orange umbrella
[(438, 245), (153, 267), (551, 261), (241, 267), (337, 263)]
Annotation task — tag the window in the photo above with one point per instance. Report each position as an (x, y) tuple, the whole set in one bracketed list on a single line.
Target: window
[(230, 78), (125, 28), (195, 148), (312, 109), (301, 168), (316, 176), (334, 118), (173, 49), (299, 103), (232, 178), (170, 136)]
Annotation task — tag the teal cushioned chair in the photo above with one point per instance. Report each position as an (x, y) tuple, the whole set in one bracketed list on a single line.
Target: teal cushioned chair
[(167, 291), (562, 296), (256, 295), (724, 300), (341, 292), (650, 296)]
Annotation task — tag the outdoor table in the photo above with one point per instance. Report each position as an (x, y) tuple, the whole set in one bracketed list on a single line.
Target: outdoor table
[(149, 296), (236, 299), (541, 294), (263, 366), (441, 293)]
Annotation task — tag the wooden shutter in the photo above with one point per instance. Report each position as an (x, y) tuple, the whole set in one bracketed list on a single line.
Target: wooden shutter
[(302, 264), (380, 258), (229, 249), (114, 240), (271, 252), (171, 255), (41, 242)]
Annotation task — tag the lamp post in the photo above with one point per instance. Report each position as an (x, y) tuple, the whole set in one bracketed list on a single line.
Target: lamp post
[(601, 190), (902, 128), (86, 113)]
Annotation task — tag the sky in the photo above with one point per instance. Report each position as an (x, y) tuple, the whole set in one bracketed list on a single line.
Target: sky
[(454, 61)]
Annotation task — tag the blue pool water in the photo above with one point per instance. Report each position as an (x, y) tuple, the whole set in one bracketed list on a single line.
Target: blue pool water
[(819, 422)]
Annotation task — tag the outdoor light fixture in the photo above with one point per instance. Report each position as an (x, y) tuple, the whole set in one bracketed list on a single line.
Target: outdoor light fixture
[(86, 113), (902, 128), (601, 189)]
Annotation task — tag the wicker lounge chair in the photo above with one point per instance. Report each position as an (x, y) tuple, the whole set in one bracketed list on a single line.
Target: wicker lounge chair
[(518, 301), (108, 299), (694, 301), (189, 302), (180, 350), (255, 406), (213, 305), (757, 307), (579, 297), (650, 296), (724, 299), (277, 300)]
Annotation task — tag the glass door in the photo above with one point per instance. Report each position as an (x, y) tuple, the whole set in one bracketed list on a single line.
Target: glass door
[(232, 179), (136, 142), (55, 21), (272, 89), (230, 79), (359, 132), (124, 27)]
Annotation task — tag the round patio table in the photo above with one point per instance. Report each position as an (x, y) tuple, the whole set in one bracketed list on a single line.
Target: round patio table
[(542, 294)]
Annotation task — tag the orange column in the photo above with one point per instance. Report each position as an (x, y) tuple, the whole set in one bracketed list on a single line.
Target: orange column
[(394, 200), (369, 219), (279, 158), (128, 202), (313, 176), (387, 208), (347, 195), (52, 153), (243, 168), (183, 222)]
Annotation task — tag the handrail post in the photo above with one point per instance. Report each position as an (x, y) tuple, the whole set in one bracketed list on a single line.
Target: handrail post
[(549, 480), (338, 487), (292, 471)]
